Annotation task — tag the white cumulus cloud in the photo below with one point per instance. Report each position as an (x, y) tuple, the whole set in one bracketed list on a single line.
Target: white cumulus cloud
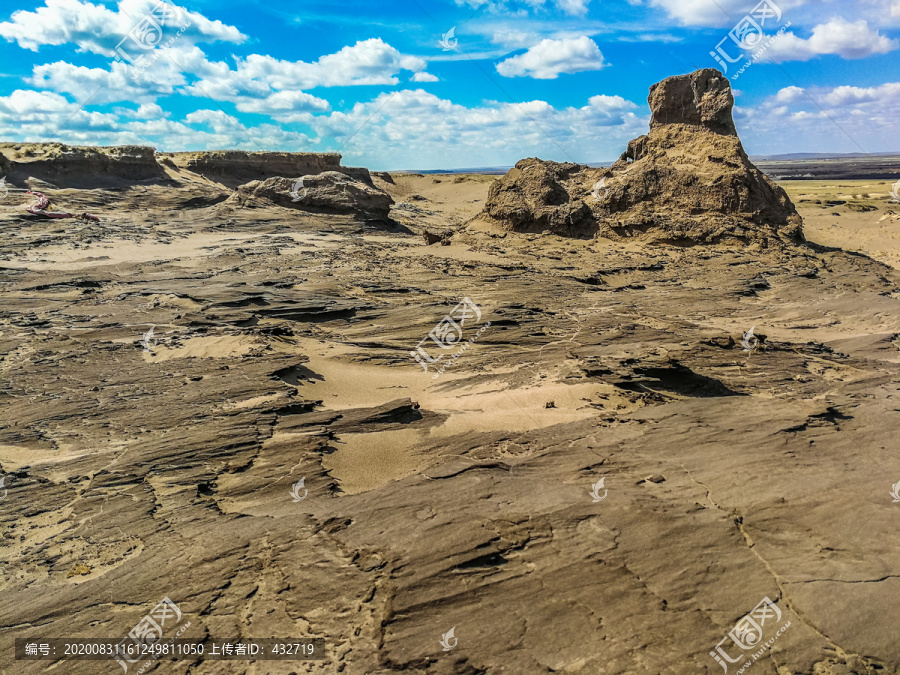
[(796, 120), (416, 129), (851, 40), (702, 12), (97, 29), (549, 58), (371, 61)]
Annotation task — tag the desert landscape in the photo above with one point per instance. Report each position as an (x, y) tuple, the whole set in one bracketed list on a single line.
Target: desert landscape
[(633, 419)]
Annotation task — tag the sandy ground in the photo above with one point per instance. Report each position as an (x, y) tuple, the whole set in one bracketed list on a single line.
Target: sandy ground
[(857, 215)]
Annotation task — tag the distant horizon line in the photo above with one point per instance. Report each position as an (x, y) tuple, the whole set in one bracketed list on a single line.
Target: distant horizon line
[(753, 158), (495, 169)]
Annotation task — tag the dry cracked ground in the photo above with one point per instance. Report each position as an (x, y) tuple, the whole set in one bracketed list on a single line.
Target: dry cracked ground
[(281, 352)]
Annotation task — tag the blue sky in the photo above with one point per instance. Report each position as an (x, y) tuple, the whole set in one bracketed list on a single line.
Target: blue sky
[(558, 79)]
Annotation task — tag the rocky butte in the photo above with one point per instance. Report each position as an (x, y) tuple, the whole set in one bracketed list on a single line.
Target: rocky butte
[(688, 181)]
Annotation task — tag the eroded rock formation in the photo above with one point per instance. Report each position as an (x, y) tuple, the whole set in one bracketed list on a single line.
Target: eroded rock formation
[(88, 167), (244, 179), (74, 166), (688, 181), (236, 167), (327, 192)]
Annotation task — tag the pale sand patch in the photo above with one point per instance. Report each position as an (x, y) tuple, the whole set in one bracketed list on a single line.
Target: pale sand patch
[(15, 457), (252, 402), (190, 250), (523, 409), (206, 347), (366, 461), (121, 251), (348, 384), (875, 233)]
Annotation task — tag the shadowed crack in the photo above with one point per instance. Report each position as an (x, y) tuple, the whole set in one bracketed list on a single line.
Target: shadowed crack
[(739, 522)]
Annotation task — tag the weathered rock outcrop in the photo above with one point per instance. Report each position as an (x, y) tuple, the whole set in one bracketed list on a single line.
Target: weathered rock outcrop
[(93, 167), (236, 167), (79, 167), (534, 197), (688, 181), (327, 192)]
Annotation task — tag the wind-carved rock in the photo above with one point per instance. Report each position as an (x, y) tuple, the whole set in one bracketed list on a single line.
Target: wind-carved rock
[(327, 192), (534, 196), (701, 99), (688, 181)]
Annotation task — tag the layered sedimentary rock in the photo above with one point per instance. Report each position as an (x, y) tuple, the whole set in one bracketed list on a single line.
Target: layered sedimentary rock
[(236, 167), (688, 181), (327, 192), (74, 166), (140, 467), (67, 166)]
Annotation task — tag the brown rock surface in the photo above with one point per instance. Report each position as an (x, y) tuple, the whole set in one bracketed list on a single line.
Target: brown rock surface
[(281, 352), (534, 197), (79, 167), (328, 192), (236, 167), (688, 181)]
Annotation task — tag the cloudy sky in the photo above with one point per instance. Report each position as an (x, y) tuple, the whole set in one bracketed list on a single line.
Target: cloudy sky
[(423, 84)]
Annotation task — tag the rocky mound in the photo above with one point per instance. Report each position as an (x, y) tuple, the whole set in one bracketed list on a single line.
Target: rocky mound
[(327, 192), (534, 196), (236, 167), (78, 167), (688, 181)]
